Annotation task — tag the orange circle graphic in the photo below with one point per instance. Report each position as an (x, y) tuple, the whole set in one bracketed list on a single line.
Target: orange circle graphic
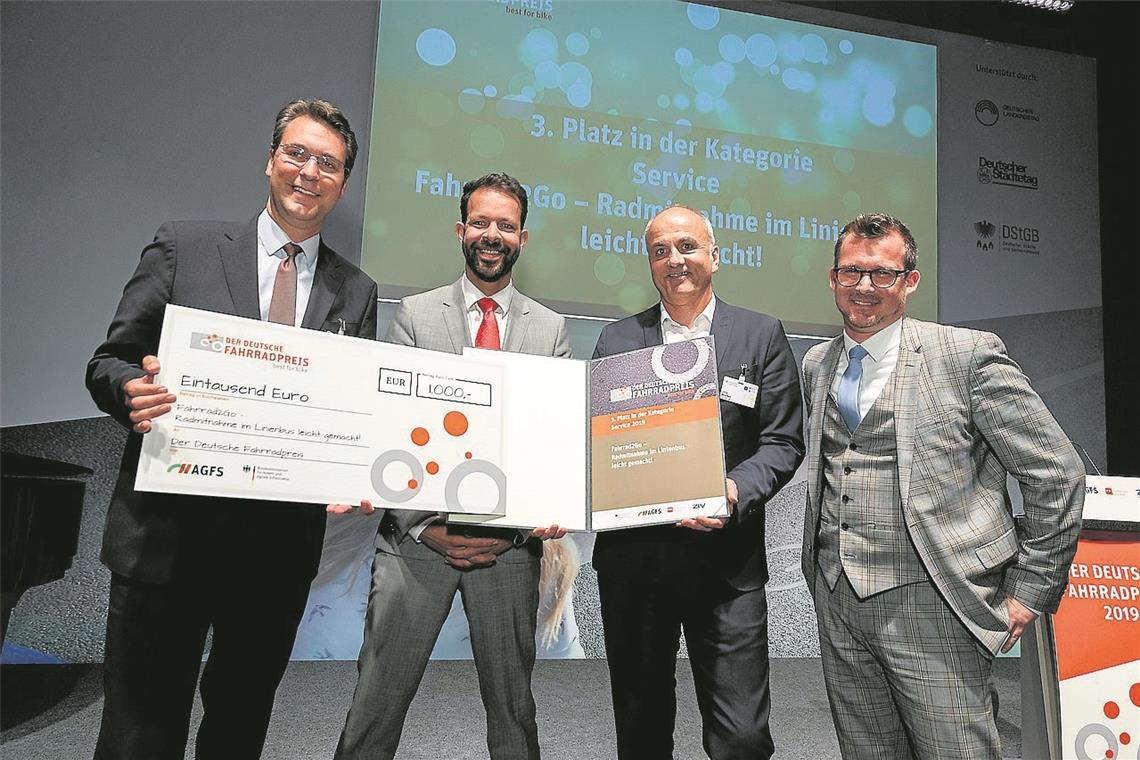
[(420, 436), (455, 423), (413, 484), (432, 468), (467, 455)]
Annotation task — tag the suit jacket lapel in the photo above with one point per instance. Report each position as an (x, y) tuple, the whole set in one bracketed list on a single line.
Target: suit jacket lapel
[(825, 373), (518, 319), (910, 365), (239, 267), (326, 283), (454, 317), (651, 327), (721, 331)]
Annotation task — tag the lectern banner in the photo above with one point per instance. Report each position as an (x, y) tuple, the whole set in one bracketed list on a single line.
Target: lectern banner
[(1097, 633)]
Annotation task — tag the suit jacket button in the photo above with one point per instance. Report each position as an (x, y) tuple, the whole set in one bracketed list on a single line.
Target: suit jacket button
[(846, 499), (844, 526), (846, 470), (853, 447)]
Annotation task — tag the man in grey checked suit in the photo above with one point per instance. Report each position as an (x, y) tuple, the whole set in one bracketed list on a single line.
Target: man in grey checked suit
[(421, 562), (919, 571)]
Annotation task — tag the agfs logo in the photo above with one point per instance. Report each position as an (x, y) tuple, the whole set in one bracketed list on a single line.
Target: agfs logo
[(204, 470)]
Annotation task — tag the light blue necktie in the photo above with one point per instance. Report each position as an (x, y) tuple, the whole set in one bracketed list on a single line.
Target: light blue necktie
[(849, 387)]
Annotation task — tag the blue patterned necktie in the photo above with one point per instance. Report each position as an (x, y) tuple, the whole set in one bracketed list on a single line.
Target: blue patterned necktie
[(849, 387)]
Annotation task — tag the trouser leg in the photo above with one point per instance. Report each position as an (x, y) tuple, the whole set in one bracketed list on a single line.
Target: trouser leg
[(642, 629), (155, 636), (501, 603), (410, 598)]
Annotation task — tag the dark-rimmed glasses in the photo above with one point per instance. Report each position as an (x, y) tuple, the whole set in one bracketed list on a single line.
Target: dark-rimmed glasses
[(849, 277)]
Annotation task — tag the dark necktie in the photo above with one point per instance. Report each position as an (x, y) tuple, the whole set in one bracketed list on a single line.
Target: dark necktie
[(283, 305)]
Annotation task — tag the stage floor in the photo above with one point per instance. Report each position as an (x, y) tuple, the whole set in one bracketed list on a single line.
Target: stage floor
[(51, 712)]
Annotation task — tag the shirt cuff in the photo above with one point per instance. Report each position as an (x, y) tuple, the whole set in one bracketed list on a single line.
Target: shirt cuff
[(419, 528)]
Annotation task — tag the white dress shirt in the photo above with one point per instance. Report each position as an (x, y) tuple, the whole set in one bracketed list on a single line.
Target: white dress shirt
[(878, 364), (675, 332), (270, 240)]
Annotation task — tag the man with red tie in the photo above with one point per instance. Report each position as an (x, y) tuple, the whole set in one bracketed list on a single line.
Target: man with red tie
[(420, 561)]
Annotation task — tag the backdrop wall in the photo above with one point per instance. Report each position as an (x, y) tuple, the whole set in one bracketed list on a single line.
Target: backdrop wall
[(118, 116)]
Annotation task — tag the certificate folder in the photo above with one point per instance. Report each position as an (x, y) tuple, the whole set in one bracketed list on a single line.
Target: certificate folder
[(642, 428), (273, 412), (545, 441)]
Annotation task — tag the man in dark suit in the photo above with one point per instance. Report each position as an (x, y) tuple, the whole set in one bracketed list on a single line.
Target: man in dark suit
[(182, 565), (705, 575)]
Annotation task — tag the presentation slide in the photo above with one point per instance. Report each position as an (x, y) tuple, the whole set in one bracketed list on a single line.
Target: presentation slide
[(778, 131)]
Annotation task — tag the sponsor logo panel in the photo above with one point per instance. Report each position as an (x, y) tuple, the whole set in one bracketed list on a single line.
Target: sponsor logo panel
[(1007, 173), (1007, 238), (988, 113)]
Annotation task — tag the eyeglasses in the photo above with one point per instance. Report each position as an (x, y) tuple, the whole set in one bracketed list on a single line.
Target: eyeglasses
[(849, 277), (299, 155)]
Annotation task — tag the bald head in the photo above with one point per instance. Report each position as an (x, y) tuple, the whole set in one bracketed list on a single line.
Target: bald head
[(682, 258)]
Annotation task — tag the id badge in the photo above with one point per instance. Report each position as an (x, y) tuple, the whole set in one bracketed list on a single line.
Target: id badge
[(739, 391)]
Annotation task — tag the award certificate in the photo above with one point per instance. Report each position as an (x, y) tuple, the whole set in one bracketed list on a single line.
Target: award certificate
[(656, 452), (268, 411)]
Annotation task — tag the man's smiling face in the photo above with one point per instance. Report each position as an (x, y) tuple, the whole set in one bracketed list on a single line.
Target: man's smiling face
[(492, 237), (300, 197), (682, 256)]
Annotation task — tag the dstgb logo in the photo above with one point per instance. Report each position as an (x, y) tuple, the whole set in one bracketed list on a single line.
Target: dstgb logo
[(202, 470), (1021, 234), (985, 232), (1007, 238)]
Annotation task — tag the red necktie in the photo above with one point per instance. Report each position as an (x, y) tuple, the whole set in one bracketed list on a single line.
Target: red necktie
[(283, 304), (488, 335)]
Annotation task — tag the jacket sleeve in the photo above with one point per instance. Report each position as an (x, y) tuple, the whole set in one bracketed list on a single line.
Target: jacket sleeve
[(401, 332), (562, 342), (135, 329), (600, 346), (368, 320), (1032, 447)]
